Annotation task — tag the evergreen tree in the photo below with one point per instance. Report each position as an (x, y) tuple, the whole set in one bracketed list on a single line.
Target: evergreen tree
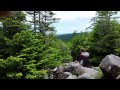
[(13, 24), (103, 35), (43, 21), (9, 27)]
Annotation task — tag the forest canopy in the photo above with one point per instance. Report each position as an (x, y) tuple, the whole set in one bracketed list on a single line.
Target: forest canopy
[(28, 50)]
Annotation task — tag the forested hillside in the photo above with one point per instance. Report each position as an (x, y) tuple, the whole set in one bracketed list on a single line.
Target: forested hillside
[(66, 37), (30, 49)]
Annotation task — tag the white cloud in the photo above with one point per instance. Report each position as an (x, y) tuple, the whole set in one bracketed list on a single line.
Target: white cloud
[(74, 28), (73, 21), (73, 15)]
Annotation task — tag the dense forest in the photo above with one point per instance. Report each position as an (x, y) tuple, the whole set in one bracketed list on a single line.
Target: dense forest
[(29, 48), (66, 37)]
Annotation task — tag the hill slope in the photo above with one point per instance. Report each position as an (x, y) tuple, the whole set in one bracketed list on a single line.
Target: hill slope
[(65, 37)]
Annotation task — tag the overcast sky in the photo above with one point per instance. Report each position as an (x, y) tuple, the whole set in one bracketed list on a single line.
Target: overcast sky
[(71, 21)]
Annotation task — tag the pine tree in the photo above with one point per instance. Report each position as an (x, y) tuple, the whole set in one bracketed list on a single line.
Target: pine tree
[(9, 27), (103, 35), (43, 21), (13, 24)]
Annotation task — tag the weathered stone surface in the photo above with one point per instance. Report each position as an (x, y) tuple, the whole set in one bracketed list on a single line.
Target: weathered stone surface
[(118, 77), (64, 75), (60, 69), (110, 66), (80, 70), (55, 69), (67, 73), (72, 77), (85, 76), (97, 74), (71, 67)]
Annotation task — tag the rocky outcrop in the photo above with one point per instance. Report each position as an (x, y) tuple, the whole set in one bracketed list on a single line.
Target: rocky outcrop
[(110, 66), (90, 72), (64, 75), (72, 77), (74, 70), (85, 76)]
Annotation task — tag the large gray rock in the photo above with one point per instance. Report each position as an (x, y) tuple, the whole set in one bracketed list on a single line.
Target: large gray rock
[(80, 70), (55, 69), (92, 72), (50, 73), (71, 67), (110, 66), (67, 73), (76, 65), (85, 76), (51, 76), (118, 77), (64, 75), (66, 64), (60, 69), (72, 77)]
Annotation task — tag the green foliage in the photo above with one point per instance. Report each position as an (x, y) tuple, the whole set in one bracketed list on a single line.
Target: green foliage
[(9, 27), (30, 56), (105, 36), (42, 21), (55, 53), (27, 55), (78, 42), (99, 74), (11, 67), (14, 75), (26, 43), (65, 37), (24, 54), (117, 51), (33, 74), (13, 24)]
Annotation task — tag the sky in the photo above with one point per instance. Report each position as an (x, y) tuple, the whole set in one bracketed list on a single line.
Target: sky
[(71, 21)]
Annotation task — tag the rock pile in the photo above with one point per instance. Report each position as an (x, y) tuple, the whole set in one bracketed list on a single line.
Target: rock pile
[(74, 70), (109, 68)]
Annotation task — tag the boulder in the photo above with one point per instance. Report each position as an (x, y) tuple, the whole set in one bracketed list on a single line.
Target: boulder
[(92, 72), (72, 77), (55, 69), (50, 73), (118, 77), (67, 73), (80, 70), (99, 74), (71, 67), (110, 66), (76, 65), (60, 69), (66, 64), (64, 75), (85, 76), (51, 76)]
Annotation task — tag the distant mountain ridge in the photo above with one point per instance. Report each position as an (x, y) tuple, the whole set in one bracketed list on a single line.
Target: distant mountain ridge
[(66, 37)]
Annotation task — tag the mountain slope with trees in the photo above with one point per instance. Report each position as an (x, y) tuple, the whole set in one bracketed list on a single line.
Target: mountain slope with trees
[(26, 54), (30, 50)]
